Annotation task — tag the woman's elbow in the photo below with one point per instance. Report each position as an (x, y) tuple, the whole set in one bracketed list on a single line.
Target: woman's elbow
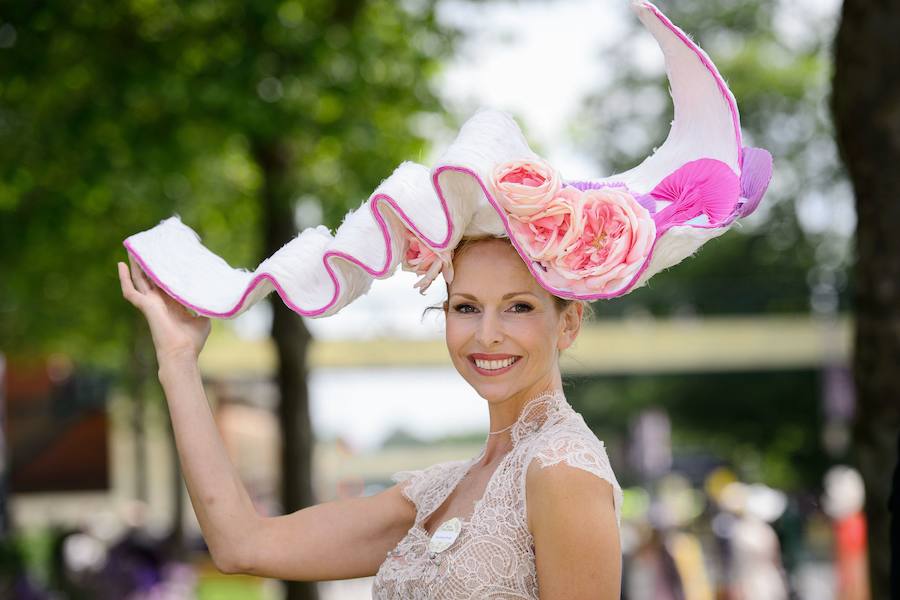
[(231, 562)]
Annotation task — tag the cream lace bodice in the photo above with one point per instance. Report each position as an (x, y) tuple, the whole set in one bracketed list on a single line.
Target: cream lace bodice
[(493, 557)]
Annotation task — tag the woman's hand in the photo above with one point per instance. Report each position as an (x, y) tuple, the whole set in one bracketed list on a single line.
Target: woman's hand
[(176, 332)]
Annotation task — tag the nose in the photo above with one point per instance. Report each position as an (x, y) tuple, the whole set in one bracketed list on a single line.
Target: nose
[(490, 330)]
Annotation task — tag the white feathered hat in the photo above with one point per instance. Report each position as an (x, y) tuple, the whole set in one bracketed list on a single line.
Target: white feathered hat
[(580, 239)]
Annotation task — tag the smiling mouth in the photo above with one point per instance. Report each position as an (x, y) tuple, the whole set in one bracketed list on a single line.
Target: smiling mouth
[(493, 366)]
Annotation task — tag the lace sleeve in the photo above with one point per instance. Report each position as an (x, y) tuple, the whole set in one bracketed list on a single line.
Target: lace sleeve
[(421, 485), (585, 452), (410, 481)]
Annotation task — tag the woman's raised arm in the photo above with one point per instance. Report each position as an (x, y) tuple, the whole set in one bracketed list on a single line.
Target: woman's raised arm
[(335, 540)]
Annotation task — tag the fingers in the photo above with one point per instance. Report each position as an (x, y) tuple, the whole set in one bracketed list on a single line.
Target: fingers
[(128, 290), (141, 281)]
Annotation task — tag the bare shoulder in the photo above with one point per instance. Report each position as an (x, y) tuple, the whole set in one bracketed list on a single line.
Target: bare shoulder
[(572, 444), (572, 515), (562, 490)]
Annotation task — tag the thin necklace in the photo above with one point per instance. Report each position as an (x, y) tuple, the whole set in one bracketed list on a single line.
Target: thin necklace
[(502, 430), (541, 395)]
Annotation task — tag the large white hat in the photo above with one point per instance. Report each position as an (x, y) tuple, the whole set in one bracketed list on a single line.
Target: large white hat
[(580, 239)]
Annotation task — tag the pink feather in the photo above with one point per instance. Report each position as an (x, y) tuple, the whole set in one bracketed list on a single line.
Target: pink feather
[(705, 186)]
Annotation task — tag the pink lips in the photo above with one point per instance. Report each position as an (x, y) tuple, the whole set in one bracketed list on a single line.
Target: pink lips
[(492, 372)]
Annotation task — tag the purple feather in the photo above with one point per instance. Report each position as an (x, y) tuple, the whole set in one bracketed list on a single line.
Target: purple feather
[(645, 200), (756, 173), (592, 185)]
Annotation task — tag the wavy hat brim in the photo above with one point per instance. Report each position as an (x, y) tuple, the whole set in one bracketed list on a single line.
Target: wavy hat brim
[(316, 274)]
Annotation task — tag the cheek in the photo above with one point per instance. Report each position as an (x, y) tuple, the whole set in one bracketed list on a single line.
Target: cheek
[(535, 337), (543, 338), (455, 333)]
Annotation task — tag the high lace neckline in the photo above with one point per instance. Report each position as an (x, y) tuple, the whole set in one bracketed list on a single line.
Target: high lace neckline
[(548, 406), (536, 412)]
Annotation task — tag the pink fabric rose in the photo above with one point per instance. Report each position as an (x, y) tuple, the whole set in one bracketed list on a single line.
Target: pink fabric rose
[(418, 258), (545, 234), (616, 237), (524, 187)]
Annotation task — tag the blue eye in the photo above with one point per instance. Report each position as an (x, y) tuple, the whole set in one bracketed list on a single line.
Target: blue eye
[(458, 308), (526, 305)]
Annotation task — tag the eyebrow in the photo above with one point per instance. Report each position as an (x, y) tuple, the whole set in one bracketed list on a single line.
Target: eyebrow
[(505, 296)]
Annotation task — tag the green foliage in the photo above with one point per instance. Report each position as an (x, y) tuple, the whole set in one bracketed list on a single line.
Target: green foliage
[(765, 424), (116, 116)]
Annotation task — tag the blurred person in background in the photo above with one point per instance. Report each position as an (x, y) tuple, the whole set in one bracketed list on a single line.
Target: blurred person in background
[(652, 573), (843, 501), (756, 567)]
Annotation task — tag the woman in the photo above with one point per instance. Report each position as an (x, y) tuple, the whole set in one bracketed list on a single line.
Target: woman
[(535, 513), (538, 506)]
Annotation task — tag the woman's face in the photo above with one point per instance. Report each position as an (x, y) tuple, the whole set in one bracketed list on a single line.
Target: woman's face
[(497, 311)]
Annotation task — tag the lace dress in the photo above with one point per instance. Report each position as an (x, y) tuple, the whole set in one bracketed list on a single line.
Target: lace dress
[(493, 556)]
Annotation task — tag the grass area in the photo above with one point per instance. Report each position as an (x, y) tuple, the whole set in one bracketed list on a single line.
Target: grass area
[(233, 588), (215, 585), (35, 548)]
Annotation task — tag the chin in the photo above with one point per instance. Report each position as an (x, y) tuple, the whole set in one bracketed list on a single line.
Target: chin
[(496, 392), (493, 393), (487, 390)]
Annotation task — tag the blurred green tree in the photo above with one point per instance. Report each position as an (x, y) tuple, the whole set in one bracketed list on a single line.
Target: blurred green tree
[(230, 114), (725, 416)]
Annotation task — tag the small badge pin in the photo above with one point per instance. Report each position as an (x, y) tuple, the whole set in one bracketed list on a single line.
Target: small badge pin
[(445, 535)]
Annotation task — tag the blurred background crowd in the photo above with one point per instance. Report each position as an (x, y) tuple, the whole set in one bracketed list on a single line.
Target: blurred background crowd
[(748, 399)]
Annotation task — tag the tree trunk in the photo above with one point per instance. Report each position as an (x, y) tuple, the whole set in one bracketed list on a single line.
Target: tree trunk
[(866, 109), (5, 525), (292, 340), (139, 362)]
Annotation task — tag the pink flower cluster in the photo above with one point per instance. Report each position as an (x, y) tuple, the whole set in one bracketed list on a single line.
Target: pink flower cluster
[(420, 259), (593, 240)]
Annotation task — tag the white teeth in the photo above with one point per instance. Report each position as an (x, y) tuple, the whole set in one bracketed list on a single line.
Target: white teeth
[(492, 365)]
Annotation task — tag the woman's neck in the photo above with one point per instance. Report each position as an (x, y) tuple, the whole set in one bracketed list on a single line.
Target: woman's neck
[(504, 416)]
